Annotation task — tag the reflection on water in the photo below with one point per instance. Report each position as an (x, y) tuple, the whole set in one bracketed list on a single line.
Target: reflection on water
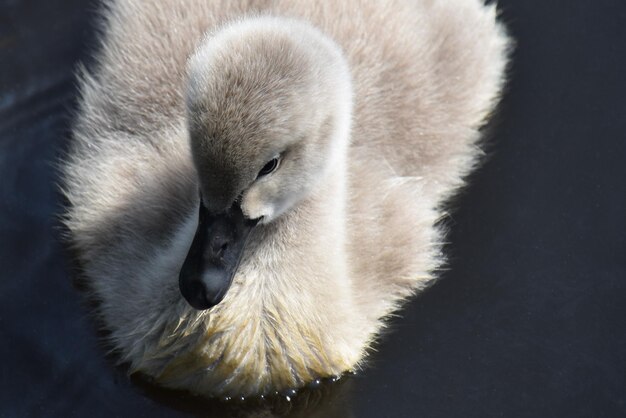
[(328, 399)]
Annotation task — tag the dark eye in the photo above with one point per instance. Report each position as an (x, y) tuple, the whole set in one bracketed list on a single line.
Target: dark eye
[(269, 167)]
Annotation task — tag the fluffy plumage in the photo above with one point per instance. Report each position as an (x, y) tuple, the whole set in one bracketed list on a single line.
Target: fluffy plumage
[(318, 278)]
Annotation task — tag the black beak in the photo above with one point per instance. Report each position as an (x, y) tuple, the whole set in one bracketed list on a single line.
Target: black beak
[(214, 256)]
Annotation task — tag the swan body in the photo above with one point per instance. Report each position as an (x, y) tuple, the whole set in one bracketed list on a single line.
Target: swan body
[(369, 115)]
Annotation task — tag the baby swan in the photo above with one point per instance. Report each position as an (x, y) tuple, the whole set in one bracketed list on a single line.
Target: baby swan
[(253, 188), (268, 111)]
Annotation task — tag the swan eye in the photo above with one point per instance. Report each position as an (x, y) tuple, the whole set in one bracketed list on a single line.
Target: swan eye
[(269, 167)]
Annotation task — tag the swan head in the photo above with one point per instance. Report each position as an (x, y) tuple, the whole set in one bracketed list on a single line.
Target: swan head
[(268, 104)]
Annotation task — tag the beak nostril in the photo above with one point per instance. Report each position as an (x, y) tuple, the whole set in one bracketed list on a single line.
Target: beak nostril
[(219, 246)]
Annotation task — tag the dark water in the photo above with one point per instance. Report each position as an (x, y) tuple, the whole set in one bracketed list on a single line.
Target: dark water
[(529, 318)]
